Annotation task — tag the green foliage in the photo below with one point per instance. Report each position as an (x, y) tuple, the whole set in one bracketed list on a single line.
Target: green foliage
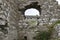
[(51, 27), (46, 35), (42, 35)]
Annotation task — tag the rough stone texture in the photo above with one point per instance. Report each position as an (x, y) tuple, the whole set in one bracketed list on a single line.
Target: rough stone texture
[(10, 10)]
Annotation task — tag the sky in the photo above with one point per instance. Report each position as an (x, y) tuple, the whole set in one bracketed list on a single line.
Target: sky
[(58, 1), (32, 12)]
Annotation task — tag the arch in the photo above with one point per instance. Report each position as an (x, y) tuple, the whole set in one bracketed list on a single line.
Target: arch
[(31, 5), (32, 12), (34, 5)]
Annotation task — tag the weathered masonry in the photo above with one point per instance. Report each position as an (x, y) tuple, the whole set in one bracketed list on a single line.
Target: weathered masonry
[(17, 14)]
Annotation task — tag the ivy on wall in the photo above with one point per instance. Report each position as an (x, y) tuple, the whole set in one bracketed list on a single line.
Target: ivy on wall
[(46, 35)]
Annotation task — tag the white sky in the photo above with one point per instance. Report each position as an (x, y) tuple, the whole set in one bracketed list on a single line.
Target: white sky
[(58, 1), (32, 12)]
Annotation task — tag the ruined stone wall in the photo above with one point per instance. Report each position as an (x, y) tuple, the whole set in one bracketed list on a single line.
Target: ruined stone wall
[(50, 12), (4, 11)]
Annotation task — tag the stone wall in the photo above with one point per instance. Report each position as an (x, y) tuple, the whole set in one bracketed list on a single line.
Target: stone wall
[(49, 15), (13, 9)]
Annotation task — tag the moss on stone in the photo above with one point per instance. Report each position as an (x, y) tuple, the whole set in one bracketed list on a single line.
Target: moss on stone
[(32, 22)]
